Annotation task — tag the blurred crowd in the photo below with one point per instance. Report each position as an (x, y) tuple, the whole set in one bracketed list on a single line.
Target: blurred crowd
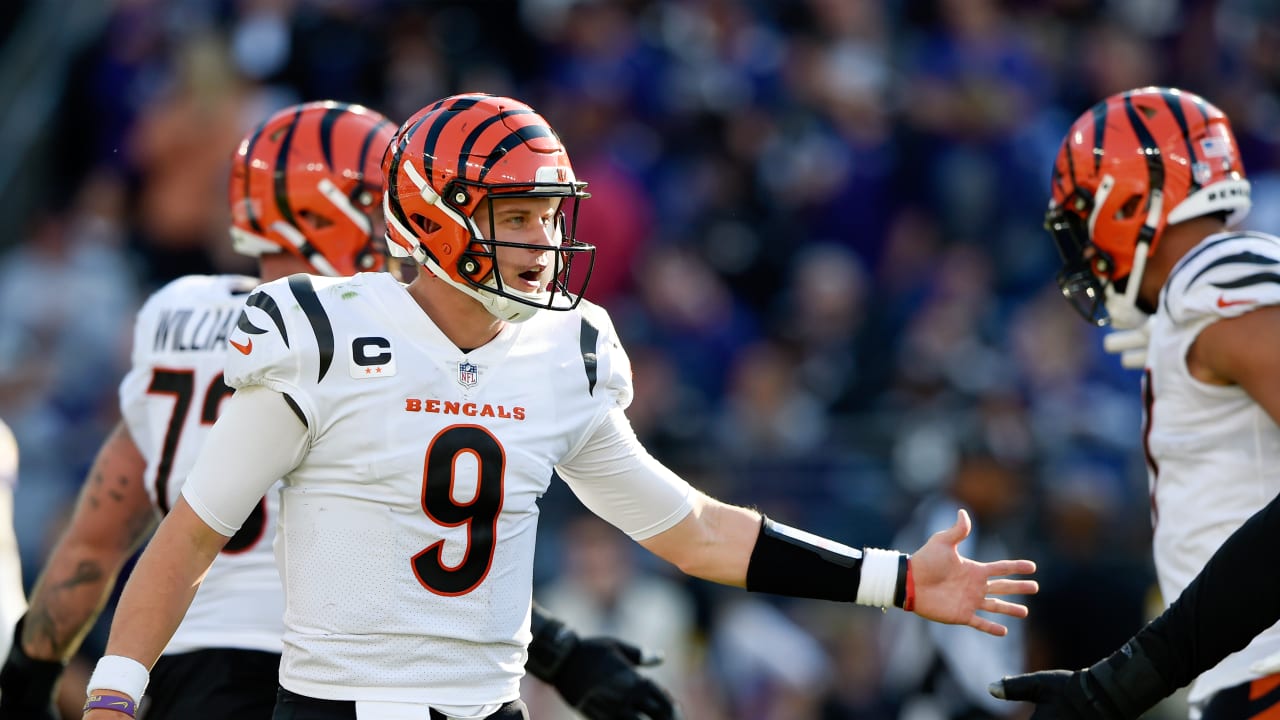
[(820, 237)]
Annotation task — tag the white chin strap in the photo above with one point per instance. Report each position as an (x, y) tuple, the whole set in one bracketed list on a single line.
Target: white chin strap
[(498, 306), (1123, 309)]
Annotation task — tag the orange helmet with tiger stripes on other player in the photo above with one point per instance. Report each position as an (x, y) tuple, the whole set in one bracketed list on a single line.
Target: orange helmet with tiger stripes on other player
[(465, 150), (1130, 166), (308, 181)]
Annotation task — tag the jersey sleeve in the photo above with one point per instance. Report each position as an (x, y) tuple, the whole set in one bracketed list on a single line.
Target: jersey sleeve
[(256, 441), (1224, 277), (276, 344), (617, 479)]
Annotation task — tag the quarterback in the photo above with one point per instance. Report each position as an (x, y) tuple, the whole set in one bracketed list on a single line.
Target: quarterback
[(1145, 188), (415, 428), (304, 191)]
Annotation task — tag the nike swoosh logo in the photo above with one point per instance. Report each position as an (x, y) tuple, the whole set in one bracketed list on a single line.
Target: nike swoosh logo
[(247, 348), (121, 704), (1223, 302)]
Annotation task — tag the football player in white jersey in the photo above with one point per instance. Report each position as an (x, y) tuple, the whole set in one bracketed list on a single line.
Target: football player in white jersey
[(416, 427), (305, 191), (1235, 597), (1145, 188), (12, 600)]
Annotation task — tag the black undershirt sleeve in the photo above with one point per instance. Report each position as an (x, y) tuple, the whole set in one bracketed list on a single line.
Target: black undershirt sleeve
[(1235, 597)]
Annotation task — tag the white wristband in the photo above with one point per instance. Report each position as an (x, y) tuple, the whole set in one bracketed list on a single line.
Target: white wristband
[(879, 577), (119, 673)]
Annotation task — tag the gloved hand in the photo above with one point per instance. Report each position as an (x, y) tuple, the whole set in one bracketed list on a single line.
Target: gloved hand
[(600, 680), (26, 684), (1130, 344), (1058, 695), (1121, 687)]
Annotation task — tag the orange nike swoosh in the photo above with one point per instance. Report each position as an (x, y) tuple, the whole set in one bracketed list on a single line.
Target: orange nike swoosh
[(1223, 302), (247, 348)]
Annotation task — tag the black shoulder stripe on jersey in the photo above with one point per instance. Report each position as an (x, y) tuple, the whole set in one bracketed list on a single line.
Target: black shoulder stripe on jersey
[(305, 293), (293, 405), (266, 304), (1190, 258), (589, 337), (1243, 258), (1255, 279)]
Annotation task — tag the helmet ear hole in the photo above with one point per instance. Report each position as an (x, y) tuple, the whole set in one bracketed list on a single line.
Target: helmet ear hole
[(315, 220), (425, 224), (1129, 208)]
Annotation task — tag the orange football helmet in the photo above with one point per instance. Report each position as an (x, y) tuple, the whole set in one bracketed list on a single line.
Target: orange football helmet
[(1130, 166), (308, 181), (465, 150)]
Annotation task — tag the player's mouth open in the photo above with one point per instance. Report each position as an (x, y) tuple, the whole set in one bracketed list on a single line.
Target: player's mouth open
[(532, 278)]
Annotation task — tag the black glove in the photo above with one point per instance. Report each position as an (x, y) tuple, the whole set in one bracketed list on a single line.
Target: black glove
[(599, 679), (1121, 687), (26, 684), (597, 676)]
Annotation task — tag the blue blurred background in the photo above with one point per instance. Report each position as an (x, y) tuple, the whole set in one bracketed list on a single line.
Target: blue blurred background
[(820, 237)]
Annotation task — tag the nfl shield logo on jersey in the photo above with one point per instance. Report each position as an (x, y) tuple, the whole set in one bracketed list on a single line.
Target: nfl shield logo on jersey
[(468, 374)]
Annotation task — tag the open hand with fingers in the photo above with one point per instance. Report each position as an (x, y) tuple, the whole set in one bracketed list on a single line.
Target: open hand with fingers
[(950, 588)]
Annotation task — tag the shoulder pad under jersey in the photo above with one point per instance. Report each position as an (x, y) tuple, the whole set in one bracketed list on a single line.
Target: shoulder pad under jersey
[(1224, 276)]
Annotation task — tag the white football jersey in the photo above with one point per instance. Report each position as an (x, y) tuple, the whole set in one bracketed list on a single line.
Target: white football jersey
[(169, 399), (1213, 453), (407, 530)]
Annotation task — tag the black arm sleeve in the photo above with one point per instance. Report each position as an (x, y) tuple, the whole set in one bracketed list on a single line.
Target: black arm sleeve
[(1235, 597)]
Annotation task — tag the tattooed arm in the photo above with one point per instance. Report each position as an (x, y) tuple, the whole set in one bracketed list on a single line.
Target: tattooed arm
[(112, 517)]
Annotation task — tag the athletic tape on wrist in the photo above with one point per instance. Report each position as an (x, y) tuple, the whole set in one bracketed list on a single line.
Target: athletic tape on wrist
[(121, 674), (879, 582)]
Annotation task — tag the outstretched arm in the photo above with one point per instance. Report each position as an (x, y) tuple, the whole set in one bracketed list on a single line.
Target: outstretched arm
[(736, 546), (112, 516), (1205, 624), (618, 480)]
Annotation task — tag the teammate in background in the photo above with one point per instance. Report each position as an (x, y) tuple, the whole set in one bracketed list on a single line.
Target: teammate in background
[(1145, 187), (416, 427), (1234, 598), (305, 192), (12, 600)]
